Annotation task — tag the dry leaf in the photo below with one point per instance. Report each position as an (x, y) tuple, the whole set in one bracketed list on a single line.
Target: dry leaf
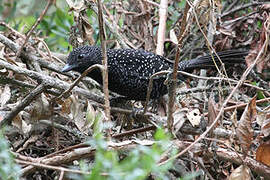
[(212, 114), (173, 36), (41, 108), (240, 173), (77, 114), (87, 30), (77, 5), (5, 96), (263, 153), (244, 130), (233, 118), (90, 115), (212, 111), (194, 117), (26, 127), (179, 118), (66, 104), (261, 116), (265, 130), (79, 119), (17, 121)]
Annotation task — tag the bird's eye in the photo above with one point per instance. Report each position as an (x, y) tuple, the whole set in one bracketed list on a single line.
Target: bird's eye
[(80, 56)]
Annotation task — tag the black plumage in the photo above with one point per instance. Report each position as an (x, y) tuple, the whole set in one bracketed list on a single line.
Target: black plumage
[(130, 69)]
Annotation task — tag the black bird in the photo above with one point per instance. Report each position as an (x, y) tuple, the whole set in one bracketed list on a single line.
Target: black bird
[(130, 69)]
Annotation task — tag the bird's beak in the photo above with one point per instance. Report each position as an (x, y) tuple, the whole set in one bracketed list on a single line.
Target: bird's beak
[(68, 67)]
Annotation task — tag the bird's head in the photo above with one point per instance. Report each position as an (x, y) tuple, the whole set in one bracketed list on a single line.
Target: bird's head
[(83, 57)]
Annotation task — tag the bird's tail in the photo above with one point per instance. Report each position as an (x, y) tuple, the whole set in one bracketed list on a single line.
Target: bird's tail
[(227, 57)]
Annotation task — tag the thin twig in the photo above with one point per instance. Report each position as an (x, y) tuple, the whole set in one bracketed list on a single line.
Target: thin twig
[(75, 132), (18, 54), (219, 79), (8, 80), (221, 111), (76, 82), (238, 8), (150, 84), (31, 57), (175, 68), (209, 44), (152, 2), (120, 37), (17, 33), (46, 166), (150, 87), (25, 102), (54, 82), (243, 105), (134, 131), (102, 37)]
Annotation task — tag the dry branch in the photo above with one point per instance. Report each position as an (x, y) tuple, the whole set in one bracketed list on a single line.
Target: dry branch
[(25, 102), (56, 83)]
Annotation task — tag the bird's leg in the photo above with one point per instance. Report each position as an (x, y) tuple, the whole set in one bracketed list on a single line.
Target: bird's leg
[(115, 101)]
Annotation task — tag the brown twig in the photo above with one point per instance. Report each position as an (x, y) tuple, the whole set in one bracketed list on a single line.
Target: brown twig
[(18, 34), (238, 8), (243, 105), (18, 54), (54, 82), (209, 44), (46, 166), (221, 111), (175, 69), (31, 57), (7, 80), (120, 37), (74, 131), (102, 37), (79, 153), (150, 84), (15, 48), (150, 87), (219, 79), (134, 131), (227, 155), (25, 102), (76, 82)]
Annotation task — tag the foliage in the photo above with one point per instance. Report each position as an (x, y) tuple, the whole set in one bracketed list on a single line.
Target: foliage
[(139, 25), (138, 164), (54, 27), (8, 169)]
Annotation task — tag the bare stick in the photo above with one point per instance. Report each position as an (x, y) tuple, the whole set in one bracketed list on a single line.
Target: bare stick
[(64, 94), (8, 80), (233, 157), (238, 8), (120, 37), (162, 26), (25, 102), (150, 84), (221, 111), (172, 89), (46, 166), (150, 87), (54, 82), (34, 26), (105, 65)]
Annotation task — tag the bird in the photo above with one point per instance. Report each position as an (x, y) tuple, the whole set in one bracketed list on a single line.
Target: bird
[(129, 70)]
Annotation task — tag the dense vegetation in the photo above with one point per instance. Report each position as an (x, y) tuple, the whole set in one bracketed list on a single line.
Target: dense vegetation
[(220, 117)]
